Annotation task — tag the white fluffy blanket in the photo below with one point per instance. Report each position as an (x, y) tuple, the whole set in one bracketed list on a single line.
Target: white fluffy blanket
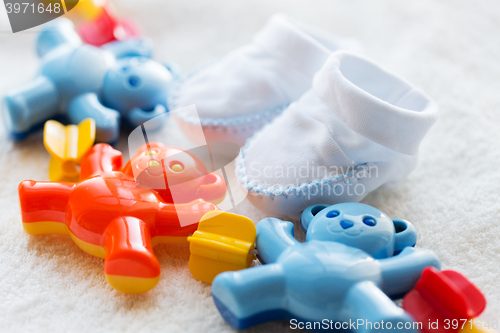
[(450, 48)]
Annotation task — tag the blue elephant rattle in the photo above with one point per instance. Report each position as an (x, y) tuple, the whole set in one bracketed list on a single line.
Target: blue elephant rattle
[(79, 81), (354, 260)]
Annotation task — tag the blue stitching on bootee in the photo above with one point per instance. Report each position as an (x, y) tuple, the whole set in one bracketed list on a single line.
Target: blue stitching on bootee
[(239, 123), (261, 191)]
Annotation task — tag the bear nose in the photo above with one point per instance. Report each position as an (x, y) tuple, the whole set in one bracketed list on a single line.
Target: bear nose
[(346, 224)]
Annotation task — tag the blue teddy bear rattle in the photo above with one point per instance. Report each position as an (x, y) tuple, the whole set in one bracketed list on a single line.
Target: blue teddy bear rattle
[(354, 260), (82, 81)]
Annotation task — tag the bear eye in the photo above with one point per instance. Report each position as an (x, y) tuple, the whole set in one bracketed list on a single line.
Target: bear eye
[(134, 81), (370, 221), (332, 214), (176, 166), (153, 164)]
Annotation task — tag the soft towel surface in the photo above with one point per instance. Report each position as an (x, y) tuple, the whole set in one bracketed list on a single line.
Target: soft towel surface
[(448, 48)]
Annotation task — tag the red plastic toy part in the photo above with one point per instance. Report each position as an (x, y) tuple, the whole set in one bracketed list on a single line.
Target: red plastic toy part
[(106, 27), (109, 216), (443, 295)]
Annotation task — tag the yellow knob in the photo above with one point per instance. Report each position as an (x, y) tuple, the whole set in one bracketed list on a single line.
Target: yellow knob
[(177, 167), (153, 164)]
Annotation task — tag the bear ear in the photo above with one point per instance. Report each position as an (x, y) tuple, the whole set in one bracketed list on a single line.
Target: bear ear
[(406, 235), (309, 213)]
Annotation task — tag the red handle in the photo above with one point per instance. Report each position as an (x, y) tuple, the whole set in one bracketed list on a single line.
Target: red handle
[(441, 295), (101, 158), (212, 188)]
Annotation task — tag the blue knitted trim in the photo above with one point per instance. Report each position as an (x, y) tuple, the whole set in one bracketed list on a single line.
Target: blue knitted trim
[(239, 123), (261, 191)]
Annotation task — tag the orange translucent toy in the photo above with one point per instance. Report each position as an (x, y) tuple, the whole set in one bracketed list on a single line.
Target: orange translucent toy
[(109, 214)]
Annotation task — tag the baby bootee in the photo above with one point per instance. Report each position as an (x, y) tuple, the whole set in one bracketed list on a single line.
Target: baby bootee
[(357, 128), (247, 88)]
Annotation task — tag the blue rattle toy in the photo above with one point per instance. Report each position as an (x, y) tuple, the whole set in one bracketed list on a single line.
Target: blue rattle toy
[(354, 260), (81, 81)]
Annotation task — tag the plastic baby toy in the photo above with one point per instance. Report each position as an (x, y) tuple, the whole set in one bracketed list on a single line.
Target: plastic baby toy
[(83, 81), (355, 259), (445, 301), (223, 242), (109, 215), (84, 10), (67, 145), (100, 23), (105, 27)]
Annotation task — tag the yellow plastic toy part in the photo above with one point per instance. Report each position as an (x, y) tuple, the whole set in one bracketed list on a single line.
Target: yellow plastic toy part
[(474, 327), (125, 284), (67, 145), (130, 284), (86, 10), (221, 243)]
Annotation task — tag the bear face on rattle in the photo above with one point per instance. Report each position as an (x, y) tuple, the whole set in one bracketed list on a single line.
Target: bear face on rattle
[(78, 81), (354, 260)]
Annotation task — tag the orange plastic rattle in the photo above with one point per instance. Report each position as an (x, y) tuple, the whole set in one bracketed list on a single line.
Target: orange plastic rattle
[(114, 216)]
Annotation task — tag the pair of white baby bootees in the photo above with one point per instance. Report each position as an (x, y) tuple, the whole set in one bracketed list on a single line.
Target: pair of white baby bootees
[(317, 122)]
